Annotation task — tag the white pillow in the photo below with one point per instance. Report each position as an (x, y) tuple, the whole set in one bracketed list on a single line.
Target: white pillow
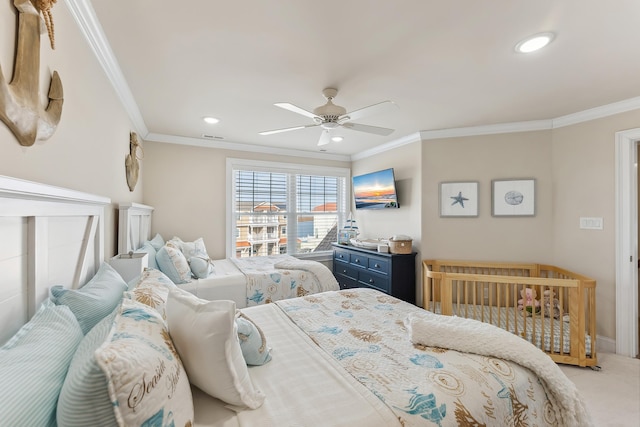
[(205, 335), (190, 249)]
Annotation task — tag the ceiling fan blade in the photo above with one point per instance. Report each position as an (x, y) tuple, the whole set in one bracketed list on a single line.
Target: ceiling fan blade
[(271, 132), (325, 138), (296, 109), (381, 107), (369, 129)]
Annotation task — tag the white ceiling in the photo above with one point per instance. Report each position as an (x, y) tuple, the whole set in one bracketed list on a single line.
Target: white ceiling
[(446, 64)]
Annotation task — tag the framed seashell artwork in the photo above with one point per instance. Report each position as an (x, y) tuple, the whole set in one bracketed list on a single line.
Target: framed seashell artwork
[(513, 197)]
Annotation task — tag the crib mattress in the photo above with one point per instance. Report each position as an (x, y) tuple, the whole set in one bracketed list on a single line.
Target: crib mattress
[(530, 328)]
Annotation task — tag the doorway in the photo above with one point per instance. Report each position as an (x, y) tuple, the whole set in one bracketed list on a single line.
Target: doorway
[(627, 328)]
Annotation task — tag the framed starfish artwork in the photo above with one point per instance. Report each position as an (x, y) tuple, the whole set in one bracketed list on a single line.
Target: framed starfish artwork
[(459, 199)]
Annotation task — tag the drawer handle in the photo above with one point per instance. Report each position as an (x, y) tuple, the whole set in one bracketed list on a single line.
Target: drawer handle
[(376, 265), (357, 261), (370, 280), (344, 271)]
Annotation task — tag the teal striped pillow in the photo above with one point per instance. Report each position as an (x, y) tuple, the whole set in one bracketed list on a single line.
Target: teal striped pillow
[(84, 398), (33, 366), (95, 300)]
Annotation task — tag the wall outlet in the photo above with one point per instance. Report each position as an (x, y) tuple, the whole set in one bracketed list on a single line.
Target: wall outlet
[(591, 223)]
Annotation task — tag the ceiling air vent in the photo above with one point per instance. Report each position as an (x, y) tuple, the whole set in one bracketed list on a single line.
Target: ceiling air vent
[(207, 136)]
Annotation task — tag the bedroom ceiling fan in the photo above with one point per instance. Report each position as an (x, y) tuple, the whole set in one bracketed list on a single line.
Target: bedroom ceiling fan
[(331, 116)]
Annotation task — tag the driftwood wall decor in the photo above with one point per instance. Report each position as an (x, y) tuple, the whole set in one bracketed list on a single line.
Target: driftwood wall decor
[(131, 164), (20, 108)]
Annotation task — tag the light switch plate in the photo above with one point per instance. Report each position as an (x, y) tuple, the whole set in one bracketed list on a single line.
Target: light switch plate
[(591, 223)]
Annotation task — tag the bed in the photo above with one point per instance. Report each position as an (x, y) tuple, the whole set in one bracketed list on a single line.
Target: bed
[(340, 358), (560, 317), (247, 281)]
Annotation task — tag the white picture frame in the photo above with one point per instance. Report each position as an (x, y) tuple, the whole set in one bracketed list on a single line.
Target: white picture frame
[(459, 199), (513, 197)]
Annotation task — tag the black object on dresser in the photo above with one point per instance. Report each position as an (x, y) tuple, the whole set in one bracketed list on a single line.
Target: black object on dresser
[(394, 274)]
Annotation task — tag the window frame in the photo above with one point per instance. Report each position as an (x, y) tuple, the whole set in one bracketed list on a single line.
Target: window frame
[(292, 169)]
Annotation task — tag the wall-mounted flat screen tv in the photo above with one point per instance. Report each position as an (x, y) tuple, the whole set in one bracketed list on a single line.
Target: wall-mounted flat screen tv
[(375, 190)]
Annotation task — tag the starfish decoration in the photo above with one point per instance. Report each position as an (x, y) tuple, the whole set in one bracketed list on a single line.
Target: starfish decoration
[(458, 199)]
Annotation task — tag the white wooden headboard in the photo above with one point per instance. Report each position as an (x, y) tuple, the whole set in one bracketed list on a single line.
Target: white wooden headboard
[(134, 226), (48, 236)]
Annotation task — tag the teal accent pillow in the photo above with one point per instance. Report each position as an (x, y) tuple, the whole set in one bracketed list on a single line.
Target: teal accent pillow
[(201, 267), (157, 242), (173, 263), (84, 399), (252, 341), (33, 365), (149, 249), (95, 300)]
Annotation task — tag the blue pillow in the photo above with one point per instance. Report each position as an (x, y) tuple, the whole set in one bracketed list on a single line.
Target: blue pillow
[(84, 399), (173, 263), (149, 249), (201, 267), (95, 300), (157, 242), (252, 342), (33, 366)]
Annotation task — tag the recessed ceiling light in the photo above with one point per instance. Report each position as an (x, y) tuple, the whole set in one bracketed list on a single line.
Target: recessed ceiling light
[(535, 42), (337, 138), (211, 120)]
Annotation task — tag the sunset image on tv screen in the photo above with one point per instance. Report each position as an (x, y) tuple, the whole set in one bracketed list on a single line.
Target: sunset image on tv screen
[(375, 190)]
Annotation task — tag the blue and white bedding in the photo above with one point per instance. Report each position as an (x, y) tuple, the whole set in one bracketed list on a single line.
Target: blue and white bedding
[(277, 277), (363, 330)]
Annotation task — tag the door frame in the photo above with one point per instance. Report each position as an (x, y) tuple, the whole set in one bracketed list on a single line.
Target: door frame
[(627, 242)]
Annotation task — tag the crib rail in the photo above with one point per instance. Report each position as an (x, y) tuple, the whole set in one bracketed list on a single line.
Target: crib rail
[(561, 323)]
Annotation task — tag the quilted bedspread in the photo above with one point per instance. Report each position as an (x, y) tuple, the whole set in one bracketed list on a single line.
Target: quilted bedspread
[(424, 386), (266, 283)]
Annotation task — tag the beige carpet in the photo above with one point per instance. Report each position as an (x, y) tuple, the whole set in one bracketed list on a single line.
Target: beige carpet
[(611, 394)]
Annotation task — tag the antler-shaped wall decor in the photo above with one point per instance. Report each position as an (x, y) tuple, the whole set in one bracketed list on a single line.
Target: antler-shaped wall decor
[(20, 109)]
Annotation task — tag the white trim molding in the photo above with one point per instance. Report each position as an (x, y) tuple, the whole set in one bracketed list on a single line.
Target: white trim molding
[(626, 242)]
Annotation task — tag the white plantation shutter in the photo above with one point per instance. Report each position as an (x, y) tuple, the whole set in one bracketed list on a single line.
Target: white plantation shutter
[(284, 208)]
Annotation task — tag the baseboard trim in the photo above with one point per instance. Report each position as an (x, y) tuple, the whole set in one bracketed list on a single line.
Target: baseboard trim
[(605, 345)]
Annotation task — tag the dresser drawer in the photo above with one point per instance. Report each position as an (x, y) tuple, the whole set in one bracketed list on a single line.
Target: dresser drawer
[(379, 265), (358, 260), (346, 270), (373, 280), (341, 255)]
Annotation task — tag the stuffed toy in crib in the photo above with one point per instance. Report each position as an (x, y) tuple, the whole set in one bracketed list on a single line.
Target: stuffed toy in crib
[(551, 304), (528, 304)]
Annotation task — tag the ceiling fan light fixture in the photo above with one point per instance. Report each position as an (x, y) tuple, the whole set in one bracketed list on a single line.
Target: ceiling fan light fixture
[(329, 125), (210, 120), (337, 138), (535, 42)]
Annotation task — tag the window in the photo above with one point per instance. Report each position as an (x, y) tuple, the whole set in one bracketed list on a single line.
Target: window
[(284, 208)]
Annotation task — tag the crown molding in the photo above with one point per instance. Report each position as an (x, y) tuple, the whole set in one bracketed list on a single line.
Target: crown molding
[(597, 112), (533, 125), (85, 16), (409, 139), (237, 146)]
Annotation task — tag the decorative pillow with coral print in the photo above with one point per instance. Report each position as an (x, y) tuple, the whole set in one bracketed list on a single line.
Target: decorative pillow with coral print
[(147, 382), (152, 289)]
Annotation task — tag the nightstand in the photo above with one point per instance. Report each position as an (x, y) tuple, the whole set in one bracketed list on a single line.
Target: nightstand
[(130, 265)]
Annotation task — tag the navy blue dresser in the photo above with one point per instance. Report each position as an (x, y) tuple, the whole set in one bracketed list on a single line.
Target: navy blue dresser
[(394, 274)]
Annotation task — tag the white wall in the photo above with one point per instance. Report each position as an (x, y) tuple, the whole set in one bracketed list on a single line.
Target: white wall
[(88, 149)]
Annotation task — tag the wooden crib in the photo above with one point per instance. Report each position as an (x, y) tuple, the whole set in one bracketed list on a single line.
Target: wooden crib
[(562, 323)]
